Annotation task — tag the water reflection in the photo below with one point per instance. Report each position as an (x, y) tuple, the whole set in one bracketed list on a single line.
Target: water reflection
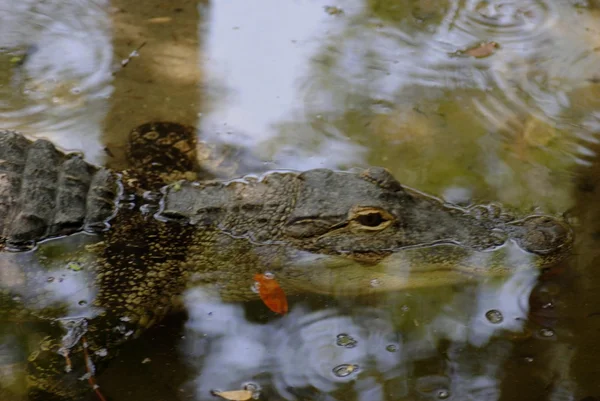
[(397, 80), (383, 83), (368, 352), (56, 70), (259, 104), (434, 341)]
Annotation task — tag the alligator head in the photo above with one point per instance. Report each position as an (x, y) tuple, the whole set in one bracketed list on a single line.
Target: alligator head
[(367, 218)]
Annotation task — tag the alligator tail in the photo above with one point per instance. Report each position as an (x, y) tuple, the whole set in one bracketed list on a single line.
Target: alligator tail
[(46, 193)]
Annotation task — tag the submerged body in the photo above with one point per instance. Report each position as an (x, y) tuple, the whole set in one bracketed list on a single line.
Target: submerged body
[(319, 230)]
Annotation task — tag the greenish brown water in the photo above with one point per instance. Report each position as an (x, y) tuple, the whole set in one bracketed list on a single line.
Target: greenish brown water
[(414, 86)]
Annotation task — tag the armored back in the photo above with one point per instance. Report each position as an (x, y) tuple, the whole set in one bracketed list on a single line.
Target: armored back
[(46, 193)]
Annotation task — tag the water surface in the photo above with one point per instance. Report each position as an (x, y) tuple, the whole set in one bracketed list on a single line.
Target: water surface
[(472, 101)]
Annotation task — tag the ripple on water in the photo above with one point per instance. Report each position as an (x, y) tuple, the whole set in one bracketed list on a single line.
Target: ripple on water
[(513, 24), (314, 351), (540, 90), (57, 60), (402, 56), (520, 21)]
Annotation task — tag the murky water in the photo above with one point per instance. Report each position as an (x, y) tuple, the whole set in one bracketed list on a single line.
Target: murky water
[(472, 101)]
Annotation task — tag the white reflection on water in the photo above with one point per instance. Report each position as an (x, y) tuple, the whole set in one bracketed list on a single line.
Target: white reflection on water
[(38, 283), (301, 96), (59, 60), (255, 69), (302, 351)]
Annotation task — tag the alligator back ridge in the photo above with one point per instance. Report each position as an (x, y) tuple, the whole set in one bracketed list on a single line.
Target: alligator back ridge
[(45, 192)]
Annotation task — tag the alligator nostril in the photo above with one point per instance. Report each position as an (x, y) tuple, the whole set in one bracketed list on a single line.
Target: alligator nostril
[(541, 234), (498, 237)]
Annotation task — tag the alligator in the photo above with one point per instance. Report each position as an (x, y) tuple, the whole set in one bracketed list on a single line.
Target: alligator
[(161, 228)]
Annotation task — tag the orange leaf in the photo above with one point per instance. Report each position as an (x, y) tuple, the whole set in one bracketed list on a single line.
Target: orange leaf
[(271, 293), (235, 395), (484, 49)]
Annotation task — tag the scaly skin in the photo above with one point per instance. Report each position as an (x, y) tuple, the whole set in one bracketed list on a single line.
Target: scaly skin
[(329, 232)]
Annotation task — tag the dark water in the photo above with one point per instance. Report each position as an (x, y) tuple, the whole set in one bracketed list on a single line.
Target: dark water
[(468, 100)]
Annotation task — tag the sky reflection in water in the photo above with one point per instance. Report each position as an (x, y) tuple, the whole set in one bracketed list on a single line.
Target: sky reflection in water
[(377, 84)]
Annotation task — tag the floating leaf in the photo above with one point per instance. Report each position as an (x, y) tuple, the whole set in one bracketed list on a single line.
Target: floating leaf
[(235, 395), (484, 49), (271, 293)]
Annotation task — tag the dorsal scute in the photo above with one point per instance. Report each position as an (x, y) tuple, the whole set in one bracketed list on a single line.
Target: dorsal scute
[(45, 192)]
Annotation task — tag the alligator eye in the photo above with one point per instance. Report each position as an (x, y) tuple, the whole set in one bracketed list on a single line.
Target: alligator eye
[(370, 219)]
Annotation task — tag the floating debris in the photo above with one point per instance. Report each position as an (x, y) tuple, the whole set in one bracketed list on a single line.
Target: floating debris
[(271, 293), (235, 395), (331, 10), (481, 50), (159, 20)]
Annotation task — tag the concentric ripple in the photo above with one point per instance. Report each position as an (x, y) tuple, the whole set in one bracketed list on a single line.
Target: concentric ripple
[(540, 89), (522, 20), (310, 355), (56, 61)]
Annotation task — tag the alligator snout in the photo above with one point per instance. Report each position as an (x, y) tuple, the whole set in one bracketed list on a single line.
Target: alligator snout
[(542, 235)]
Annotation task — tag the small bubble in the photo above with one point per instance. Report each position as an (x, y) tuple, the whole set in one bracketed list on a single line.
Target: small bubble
[(443, 394), (375, 282), (254, 388), (345, 370), (546, 332), (404, 308), (392, 348), (75, 90), (82, 303), (50, 279), (268, 275), (251, 386), (528, 359), (494, 316), (102, 352), (345, 340)]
